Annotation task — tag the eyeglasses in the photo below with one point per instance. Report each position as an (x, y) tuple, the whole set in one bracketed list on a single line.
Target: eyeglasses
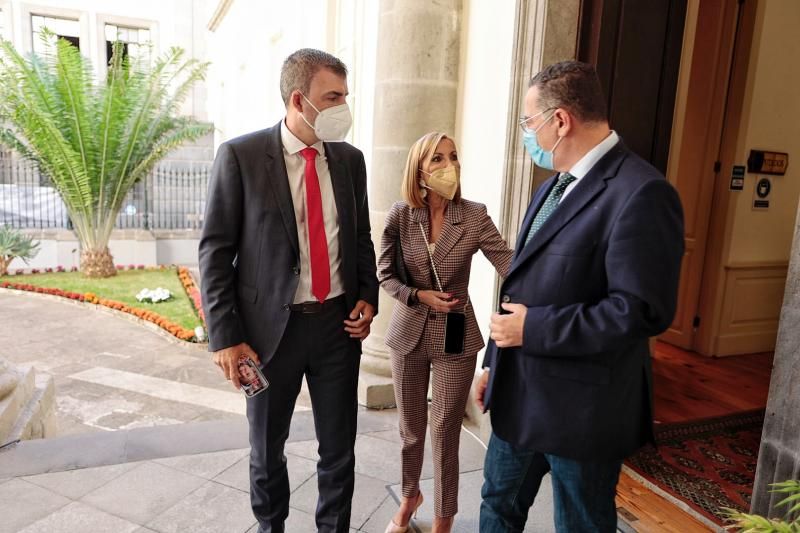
[(523, 121)]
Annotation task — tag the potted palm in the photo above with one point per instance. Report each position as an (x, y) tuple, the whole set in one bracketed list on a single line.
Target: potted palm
[(95, 140), (753, 523)]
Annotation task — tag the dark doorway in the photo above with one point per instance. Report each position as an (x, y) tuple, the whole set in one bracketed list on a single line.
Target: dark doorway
[(636, 48)]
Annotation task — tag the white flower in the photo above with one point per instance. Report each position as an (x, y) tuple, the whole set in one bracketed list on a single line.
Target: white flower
[(154, 296)]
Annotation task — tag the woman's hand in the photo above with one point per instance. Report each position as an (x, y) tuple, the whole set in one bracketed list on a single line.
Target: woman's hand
[(438, 301)]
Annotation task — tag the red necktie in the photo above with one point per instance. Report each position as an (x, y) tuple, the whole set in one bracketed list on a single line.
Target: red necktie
[(317, 241)]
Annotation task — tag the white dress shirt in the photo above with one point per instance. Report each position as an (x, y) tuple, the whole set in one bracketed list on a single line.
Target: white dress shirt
[(582, 167), (295, 169)]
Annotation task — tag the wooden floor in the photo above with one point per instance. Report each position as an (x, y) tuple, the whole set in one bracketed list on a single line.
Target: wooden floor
[(688, 386), (647, 512)]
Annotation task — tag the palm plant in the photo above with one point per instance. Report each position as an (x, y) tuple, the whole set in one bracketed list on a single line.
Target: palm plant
[(14, 244), (753, 523), (95, 140)]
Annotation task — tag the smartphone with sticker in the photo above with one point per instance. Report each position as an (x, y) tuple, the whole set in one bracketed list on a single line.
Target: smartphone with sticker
[(251, 378)]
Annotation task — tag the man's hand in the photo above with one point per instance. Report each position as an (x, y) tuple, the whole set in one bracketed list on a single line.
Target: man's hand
[(479, 389), (228, 360), (506, 330), (438, 301), (360, 319)]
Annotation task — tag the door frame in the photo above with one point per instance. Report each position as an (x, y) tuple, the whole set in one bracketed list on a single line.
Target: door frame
[(712, 288), (694, 165)]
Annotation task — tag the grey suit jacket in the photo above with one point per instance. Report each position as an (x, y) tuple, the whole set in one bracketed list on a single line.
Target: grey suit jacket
[(249, 257)]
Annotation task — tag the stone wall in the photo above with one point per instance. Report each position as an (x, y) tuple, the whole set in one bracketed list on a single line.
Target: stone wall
[(779, 456), (139, 247)]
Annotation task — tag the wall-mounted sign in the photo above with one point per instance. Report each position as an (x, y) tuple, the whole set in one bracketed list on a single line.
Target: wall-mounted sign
[(737, 178), (760, 204), (763, 187), (763, 162)]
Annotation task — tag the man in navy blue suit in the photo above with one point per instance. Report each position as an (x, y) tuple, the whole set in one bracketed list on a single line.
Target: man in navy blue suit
[(567, 373)]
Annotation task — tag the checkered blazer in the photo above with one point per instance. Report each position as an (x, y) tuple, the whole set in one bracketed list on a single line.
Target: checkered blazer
[(467, 228)]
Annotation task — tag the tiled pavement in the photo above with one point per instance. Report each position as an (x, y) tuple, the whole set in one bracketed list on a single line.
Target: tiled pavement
[(133, 480), (142, 448)]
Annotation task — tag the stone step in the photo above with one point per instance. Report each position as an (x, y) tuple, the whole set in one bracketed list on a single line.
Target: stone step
[(38, 418), (28, 412), (16, 400)]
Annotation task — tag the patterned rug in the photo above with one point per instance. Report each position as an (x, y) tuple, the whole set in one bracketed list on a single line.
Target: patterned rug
[(709, 464)]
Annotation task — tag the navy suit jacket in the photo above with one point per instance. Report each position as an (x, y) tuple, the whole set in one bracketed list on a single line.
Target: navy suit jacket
[(599, 278), (249, 256)]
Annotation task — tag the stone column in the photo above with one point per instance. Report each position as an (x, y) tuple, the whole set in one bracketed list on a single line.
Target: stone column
[(416, 89), (779, 456)]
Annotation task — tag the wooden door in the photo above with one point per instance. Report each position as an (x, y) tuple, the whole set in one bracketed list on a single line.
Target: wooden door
[(638, 49)]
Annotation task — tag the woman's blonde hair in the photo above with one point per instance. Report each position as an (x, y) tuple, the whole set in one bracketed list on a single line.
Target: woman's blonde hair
[(421, 151)]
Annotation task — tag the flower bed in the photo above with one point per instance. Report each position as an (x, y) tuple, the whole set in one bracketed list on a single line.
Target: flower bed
[(173, 328), (193, 292)]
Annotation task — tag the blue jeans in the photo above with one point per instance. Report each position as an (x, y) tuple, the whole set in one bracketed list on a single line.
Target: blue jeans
[(583, 491)]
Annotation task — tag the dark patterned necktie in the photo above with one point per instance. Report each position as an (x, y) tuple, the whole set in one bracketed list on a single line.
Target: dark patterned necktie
[(550, 204)]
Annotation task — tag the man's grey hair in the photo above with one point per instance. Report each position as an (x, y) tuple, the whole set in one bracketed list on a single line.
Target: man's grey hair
[(300, 67), (574, 86)]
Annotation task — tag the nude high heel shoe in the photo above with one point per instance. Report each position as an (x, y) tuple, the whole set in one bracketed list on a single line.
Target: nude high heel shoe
[(394, 528)]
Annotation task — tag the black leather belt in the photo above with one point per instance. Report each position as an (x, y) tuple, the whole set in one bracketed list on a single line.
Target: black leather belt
[(313, 307)]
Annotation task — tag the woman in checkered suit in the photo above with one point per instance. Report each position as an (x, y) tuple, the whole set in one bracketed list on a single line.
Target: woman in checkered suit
[(433, 225)]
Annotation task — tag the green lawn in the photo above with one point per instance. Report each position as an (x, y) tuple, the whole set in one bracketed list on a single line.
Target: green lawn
[(123, 288)]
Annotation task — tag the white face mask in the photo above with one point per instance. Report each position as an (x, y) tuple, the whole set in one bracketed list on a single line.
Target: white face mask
[(331, 124)]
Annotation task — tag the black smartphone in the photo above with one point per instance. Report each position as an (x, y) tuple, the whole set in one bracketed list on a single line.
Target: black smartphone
[(454, 333)]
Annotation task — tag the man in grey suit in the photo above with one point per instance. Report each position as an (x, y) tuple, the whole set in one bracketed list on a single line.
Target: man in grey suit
[(288, 280)]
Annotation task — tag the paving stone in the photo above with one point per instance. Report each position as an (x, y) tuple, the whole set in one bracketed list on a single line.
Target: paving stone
[(238, 475), (186, 439), (204, 373), (144, 492), (212, 508), (64, 339), (303, 448), (368, 496), (300, 470), (379, 519), (74, 484), (379, 455), (213, 416), (391, 435), (38, 456), (378, 458), (103, 448), (111, 408), (300, 521), (540, 517), (23, 503), (77, 517), (205, 465), (370, 420)]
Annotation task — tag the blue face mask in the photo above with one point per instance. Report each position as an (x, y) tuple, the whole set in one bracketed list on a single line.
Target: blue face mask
[(540, 157)]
